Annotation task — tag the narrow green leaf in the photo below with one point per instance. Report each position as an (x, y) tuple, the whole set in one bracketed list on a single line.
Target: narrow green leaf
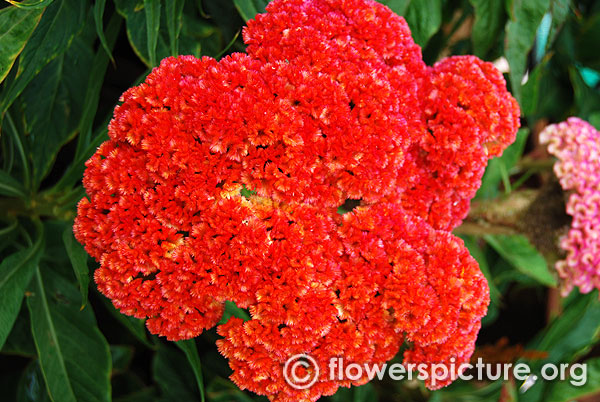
[(99, 6), (231, 310), (16, 26), (249, 8), (397, 6), (61, 21), (15, 273), (424, 19), (565, 391), (222, 390), (78, 257), (18, 141), (174, 11), (517, 250), (489, 19), (31, 4), (152, 9), (526, 16), (73, 354), (10, 187), (135, 326), (172, 373), (189, 348)]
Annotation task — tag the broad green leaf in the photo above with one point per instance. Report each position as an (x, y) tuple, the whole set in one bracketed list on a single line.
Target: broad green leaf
[(424, 19), (249, 8), (517, 250), (152, 11), (16, 26), (31, 4), (586, 43), (73, 354), (587, 99), (569, 336), (477, 253), (174, 11), (10, 187), (489, 19), (78, 257), (189, 348), (559, 9), (397, 6), (525, 17), (20, 340), (564, 391), (174, 376), (499, 167), (61, 21), (31, 386), (53, 106), (99, 6), (15, 273)]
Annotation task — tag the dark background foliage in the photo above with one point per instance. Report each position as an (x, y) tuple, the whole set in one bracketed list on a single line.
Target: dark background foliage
[(63, 66)]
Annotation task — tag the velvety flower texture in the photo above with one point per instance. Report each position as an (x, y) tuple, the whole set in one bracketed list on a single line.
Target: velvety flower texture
[(576, 144), (331, 102)]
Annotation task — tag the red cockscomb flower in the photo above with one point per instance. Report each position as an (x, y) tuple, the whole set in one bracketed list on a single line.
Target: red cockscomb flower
[(331, 102)]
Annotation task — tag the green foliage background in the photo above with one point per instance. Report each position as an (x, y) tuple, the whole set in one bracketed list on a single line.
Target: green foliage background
[(63, 64)]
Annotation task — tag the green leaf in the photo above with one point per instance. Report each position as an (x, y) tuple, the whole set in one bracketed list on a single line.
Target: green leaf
[(249, 8), (397, 6), (78, 257), (517, 250), (525, 17), (231, 310), (73, 354), (20, 340), (121, 357), (16, 26), (587, 99), (564, 391), (99, 6), (477, 253), (173, 375), (135, 326), (10, 187), (152, 10), (174, 11), (499, 167), (31, 386), (31, 4), (189, 348), (222, 390), (53, 107), (489, 18), (61, 21), (15, 273), (424, 19)]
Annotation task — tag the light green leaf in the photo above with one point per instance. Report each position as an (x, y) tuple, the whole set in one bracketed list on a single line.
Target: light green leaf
[(78, 257), (16, 26), (564, 391), (152, 10), (174, 11), (249, 8), (189, 348), (61, 21), (517, 250), (15, 273), (397, 6), (489, 19), (525, 17), (73, 355), (424, 19), (31, 4)]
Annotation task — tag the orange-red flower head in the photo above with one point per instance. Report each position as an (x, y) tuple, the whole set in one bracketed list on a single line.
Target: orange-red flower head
[(331, 102)]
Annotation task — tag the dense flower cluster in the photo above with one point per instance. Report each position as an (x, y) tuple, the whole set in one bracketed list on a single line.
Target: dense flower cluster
[(331, 102), (576, 144)]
